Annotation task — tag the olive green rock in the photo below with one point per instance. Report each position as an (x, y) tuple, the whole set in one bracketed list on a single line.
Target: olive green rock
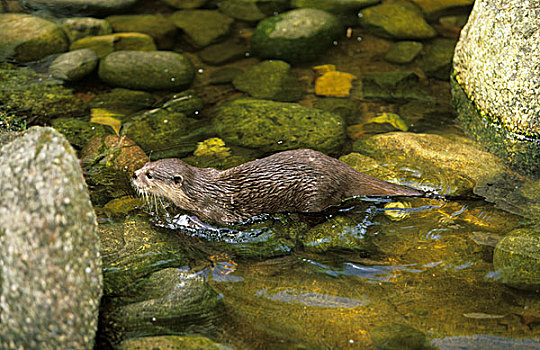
[(81, 27), (37, 98), (186, 102), (517, 257), (345, 10), (398, 20), (452, 166), (28, 38), (172, 342), (397, 336), (218, 54), (403, 52), (169, 301), (278, 126), (436, 61), (203, 27), (66, 8), (74, 65), (185, 4), (103, 45), (272, 80), (437, 8), (78, 132), (394, 86), (138, 70), (122, 101), (296, 36), (160, 28), (339, 232), (252, 10)]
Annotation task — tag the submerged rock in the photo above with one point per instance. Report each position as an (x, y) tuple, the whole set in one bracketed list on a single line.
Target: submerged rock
[(397, 336), (49, 249), (74, 65), (340, 232), (172, 342), (203, 27), (103, 45), (186, 4), (186, 102), (277, 126), (28, 38), (517, 256), (453, 166), (169, 301), (62, 8), (161, 29), (79, 132), (345, 10), (397, 20), (123, 101), (37, 98), (403, 52), (159, 70), (252, 10), (81, 27), (272, 80), (222, 53), (434, 9), (394, 86), (436, 61), (295, 36)]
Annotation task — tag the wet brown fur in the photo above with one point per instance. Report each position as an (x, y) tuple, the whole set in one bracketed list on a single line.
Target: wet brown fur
[(291, 181)]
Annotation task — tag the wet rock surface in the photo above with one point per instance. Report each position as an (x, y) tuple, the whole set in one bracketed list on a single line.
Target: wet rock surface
[(396, 337), (203, 27), (273, 126), (49, 252), (158, 70), (64, 8), (74, 65), (103, 45), (161, 29), (192, 342), (81, 27), (295, 36), (404, 52), (28, 38)]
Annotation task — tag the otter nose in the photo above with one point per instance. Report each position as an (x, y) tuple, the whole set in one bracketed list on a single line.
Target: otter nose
[(134, 176)]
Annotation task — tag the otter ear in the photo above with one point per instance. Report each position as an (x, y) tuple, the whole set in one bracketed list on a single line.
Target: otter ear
[(178, 179)]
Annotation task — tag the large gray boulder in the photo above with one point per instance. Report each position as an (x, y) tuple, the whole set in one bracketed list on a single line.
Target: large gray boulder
[(50, 267), (497, 80)]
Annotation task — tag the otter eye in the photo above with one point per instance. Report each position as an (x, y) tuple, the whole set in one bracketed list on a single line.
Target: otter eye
[(148, 175), (178, 179)]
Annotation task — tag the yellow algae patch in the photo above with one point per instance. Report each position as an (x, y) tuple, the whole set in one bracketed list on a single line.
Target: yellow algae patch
[(392, 119), (105, 117), (334, 84), (212, 147)]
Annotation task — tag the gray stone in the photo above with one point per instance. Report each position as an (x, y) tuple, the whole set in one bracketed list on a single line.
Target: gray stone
[(272, 80), (517, 256), (28, 38), (203, 27), (295, 36), (81, 27), (399, 20), (66, 8), (278, 126), (403, 52), (158, 70), (497, 80), (74, 65), (50, 266)]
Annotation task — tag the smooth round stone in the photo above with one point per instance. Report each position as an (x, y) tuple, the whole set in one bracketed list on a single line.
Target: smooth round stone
[(156, 70), (295, 36), (74, 65), (103, 45), (158, 27), (185, 4), (64, 8), (27, 38), (403, 52), (202, 27)]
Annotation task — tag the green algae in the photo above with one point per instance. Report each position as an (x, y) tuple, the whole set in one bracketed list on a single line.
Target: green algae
[(79, 132)]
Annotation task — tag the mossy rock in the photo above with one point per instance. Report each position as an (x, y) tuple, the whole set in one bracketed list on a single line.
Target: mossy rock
[(203, 27), (277, 126), (186, 102), (345, 10), (436, 62), (517, 257), (79, 132), (296, 36), (186, 4), (164, 134), (346, 108), (222, 53), (397, 336), (252, 10), (394, 86), (36, 98), (66, 8), (159, 70), (28, 38), (224, 75), (74, 65), (172, 342), (403, 52), (438, 8), (103, 45), (339, 232), (161, 29), (81, 27), (272, 80), (123, 101), (397, 20)]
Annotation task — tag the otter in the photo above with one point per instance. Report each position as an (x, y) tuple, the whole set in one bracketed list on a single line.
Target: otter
[(301, 180)]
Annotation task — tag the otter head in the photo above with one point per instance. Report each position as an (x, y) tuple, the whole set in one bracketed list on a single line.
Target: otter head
[(164, 178)]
